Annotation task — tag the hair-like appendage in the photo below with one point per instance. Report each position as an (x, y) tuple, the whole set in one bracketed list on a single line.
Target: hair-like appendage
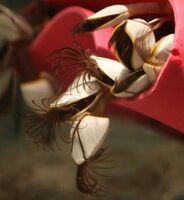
[(122, 45), (75, 60), (88, 25), (42, 123), (86, 180)]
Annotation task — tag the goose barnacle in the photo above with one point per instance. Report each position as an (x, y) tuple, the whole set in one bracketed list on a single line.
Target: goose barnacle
[(88, 135), (115, 14), (44, 119), (159, 55)]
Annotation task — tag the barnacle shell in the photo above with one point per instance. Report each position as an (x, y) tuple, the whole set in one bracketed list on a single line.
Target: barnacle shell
[(92, 132), (160, 54), (111, 68), (77, 91), (36, 90)]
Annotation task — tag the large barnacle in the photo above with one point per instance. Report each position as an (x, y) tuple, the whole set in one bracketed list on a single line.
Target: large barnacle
[(88, 135), (45, 118)]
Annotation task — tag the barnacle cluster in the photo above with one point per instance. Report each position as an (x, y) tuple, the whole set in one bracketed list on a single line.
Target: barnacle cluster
[(142, 41)]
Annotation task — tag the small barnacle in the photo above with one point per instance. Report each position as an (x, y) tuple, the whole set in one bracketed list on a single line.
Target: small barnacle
[(132, 85), (116, 14), (123, 41), (162, 49), (109, 70), (108, 16), (81, 95), (88, 135), (45, 118), (43, 87), (145, 43), (158, 57)]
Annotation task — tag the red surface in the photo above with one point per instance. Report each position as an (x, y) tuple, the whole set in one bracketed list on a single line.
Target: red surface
[(164, 101), (93, 4)]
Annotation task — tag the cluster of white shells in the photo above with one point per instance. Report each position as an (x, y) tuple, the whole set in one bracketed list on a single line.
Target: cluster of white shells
[(146, 61)]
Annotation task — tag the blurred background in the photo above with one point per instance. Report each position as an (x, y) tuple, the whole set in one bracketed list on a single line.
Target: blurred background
[(148, 165)]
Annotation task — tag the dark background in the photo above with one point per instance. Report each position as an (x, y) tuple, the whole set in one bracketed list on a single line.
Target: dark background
[(148, 165)]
